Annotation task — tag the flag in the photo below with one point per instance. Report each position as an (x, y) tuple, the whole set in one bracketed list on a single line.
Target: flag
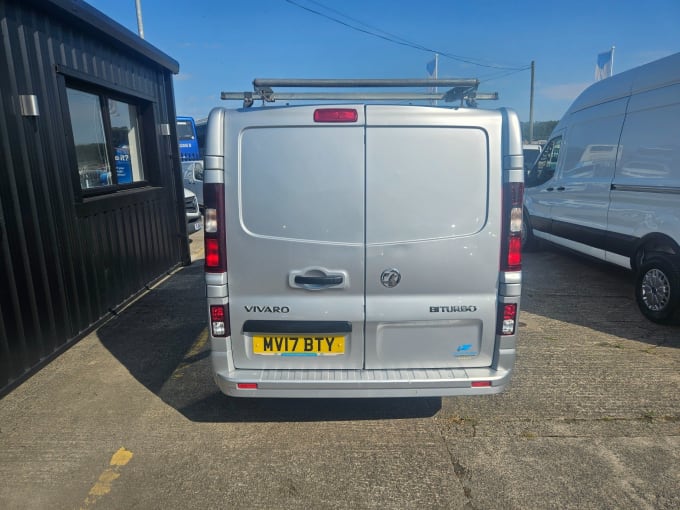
[(431, 66), (603, 69)]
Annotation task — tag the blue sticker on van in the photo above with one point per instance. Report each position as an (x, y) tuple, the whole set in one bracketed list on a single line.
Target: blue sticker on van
[(465, 350)]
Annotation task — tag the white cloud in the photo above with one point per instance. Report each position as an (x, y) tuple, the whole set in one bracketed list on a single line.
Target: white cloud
[(183, 77)]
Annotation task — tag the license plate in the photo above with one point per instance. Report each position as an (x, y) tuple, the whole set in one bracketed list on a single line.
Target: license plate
[(299, 345)]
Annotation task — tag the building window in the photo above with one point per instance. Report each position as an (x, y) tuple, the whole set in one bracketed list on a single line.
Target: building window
[(106, 133), (125, 136)]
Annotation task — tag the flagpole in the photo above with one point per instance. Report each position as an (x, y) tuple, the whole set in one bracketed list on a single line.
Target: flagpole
[(436, 73), (140, 24), (531, 105)]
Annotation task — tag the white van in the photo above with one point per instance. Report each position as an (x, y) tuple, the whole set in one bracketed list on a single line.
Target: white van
[(192, 212), (362, 250), (607, 184), (531, 151), (192, 174)]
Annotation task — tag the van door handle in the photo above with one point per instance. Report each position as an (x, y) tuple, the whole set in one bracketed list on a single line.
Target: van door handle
[(561, 188), (319, 280), (550, 189)]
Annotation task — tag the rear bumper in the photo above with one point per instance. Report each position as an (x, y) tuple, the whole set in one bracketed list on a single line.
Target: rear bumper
[(361, 383)]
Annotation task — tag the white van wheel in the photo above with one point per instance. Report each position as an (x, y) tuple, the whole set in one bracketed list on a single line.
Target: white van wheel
[(657, 288)]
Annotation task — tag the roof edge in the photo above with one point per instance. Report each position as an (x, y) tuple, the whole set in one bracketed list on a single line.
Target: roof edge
[(85, 13), (654, 74)]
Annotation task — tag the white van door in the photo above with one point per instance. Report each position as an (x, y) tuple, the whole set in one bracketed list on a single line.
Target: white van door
[(539, 188), (433, 211), (295, 239), (580, 192)]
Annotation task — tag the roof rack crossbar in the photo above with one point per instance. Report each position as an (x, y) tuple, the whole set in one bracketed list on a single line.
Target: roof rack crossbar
[(361, 82), (461, 89)]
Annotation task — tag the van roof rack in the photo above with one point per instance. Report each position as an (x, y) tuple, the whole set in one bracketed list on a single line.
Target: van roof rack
[(459, 89)]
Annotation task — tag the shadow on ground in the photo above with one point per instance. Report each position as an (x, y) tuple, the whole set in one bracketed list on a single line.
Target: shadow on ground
[(560, 285), (159, 341)]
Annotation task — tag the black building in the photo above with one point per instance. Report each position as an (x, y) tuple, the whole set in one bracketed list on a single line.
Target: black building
[(91, 199)]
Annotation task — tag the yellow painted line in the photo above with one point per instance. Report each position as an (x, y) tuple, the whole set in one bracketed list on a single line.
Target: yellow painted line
[(198, 344), (195, 349), (111, 474)]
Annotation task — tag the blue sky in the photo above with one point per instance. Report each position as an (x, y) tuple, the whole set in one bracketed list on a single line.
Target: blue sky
[(222, 45)]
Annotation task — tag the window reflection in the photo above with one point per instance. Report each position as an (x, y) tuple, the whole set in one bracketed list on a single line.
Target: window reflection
[(544, 169), (100, 135), (90, 140), (125, 138)]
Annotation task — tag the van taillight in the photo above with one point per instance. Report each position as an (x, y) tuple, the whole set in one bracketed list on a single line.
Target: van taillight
[(216, 251), (212, 253), (336, 115), (219, 320), (511, 247), (508, 318), (214, 233), (515, 253)]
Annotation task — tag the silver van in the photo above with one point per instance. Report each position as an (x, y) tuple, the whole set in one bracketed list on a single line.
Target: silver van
[(362, 250), (607, 183)]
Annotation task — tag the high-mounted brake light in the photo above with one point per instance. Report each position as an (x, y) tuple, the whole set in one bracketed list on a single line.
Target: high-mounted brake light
[(336, 115)]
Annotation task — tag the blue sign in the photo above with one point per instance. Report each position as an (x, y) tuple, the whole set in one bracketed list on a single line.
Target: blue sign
[(123, 165)]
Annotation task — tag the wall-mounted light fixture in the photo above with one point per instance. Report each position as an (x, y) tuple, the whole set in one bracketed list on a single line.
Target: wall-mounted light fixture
[(29, 105)]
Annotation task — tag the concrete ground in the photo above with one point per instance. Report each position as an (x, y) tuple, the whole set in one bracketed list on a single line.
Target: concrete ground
[(130, 417)]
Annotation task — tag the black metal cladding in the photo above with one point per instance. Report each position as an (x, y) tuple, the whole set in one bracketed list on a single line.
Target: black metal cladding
[(68, 260)]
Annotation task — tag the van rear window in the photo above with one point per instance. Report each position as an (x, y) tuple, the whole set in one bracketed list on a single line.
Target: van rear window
[(303, 183), (425, 182)]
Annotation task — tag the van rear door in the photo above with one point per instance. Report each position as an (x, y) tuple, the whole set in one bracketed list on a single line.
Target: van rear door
[(433, 212), (295, 239)]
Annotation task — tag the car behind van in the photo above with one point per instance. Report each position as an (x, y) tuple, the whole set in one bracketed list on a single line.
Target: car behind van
[(607, 183), (192, 174), (192, 211), (530, 152), (362, 250)]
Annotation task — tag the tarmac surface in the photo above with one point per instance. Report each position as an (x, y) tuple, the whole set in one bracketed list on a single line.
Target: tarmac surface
[(129, 417)]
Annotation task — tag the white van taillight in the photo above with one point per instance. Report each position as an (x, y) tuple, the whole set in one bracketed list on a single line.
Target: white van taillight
[(336, 115), (511, 245), (508, 318), (219, 320), (214, 234)]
